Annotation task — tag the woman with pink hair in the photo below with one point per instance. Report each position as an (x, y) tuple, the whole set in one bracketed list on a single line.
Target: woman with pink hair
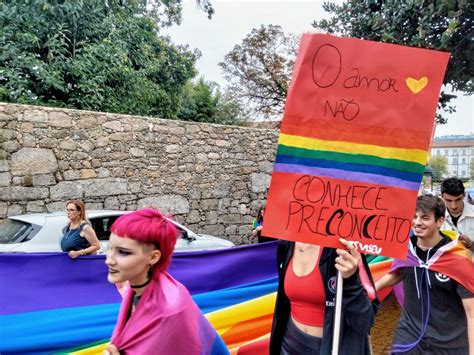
[(157, 315)]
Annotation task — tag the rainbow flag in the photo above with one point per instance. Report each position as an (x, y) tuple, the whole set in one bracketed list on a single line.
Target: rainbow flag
[(52, 304)]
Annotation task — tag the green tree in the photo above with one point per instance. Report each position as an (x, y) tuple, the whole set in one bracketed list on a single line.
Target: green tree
[(444, 25), (259, 70), (439, 164), (102, 55), (203, 102)]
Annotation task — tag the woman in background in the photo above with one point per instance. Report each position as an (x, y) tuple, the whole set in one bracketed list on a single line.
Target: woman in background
[(257, 226), (157, 315), (79, 237)]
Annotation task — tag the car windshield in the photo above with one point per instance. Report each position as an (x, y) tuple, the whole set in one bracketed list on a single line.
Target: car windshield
[(12, 231)]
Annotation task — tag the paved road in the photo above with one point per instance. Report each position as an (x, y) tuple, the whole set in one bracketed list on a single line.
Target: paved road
[(385, 323)]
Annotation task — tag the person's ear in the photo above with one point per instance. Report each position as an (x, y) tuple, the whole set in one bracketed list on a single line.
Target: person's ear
[(440, 222), (155, 256)]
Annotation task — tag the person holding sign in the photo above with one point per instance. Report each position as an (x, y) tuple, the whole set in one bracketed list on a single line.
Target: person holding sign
[(304, 311), (438, 284)]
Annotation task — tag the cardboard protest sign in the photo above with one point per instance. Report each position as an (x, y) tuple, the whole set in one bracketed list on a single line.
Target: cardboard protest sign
[(353, 144)]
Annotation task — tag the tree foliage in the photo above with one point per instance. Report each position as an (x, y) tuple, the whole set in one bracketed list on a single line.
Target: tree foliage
[(444, 25), (439, 164), (203, 102), (259, 69), (102, 55)]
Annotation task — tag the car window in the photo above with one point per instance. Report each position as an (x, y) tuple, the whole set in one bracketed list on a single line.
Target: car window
[(12, 231), (102, 226)]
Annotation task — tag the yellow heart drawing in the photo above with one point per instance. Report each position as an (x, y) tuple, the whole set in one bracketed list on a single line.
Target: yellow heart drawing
[(416, 85)]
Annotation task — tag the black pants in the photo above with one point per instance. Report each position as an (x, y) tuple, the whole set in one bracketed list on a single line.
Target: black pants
[(295, 341)]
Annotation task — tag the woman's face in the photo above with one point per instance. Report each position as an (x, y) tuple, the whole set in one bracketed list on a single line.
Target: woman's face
[(72, 212), (129, 260)]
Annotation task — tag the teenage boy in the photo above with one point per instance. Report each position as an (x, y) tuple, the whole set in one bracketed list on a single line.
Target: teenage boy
[(459, 215), (438, 284)]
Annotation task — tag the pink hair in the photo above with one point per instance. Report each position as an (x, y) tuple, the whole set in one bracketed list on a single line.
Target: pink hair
[(149, 226)]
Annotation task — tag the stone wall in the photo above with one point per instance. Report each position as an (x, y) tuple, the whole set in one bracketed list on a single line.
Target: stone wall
[(212, 177)]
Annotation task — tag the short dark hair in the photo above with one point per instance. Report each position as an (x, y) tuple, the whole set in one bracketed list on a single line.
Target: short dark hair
[(430, 203), (452, 186)]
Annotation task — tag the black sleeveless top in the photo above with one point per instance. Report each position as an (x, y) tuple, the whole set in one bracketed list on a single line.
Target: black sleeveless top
[(72, 239)]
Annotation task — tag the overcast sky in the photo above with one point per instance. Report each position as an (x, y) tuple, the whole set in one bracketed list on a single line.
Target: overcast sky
[(234, 19)]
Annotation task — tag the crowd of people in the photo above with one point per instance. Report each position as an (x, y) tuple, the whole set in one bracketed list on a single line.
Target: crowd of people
[(158, 315)]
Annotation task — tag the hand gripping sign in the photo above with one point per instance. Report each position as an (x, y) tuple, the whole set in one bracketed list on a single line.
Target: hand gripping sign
[(353, 144)]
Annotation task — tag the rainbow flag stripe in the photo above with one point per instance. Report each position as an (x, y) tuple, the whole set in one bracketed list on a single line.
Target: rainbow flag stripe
[(375, 164), (72, 309)]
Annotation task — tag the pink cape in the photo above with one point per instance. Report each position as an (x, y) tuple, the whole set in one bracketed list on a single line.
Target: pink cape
[(165, 321)]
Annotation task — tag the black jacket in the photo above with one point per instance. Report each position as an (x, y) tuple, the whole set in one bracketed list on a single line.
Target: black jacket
[(358, 312)]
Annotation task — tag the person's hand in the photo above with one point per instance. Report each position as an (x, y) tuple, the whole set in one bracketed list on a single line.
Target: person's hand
[(256, 230), (348, 259), (75, 253), (111, 350), (466, 241)]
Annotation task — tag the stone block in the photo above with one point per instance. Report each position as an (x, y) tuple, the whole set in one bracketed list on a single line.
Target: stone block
[(56, 206), (43, 180), (59, 119), (15, 210), (35, 206), (259, 182), (20, 193), (87, 122), (35, 116), (113, 125), (66, 190), (175, 204), (121, 137), (105, 187), (5, 179), (33, 161), (88, 174), (71, 175), (193, 217), (68, 145), (3, 209), (137, 153)]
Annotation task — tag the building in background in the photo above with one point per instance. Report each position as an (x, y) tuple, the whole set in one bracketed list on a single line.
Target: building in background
[(459, 152)]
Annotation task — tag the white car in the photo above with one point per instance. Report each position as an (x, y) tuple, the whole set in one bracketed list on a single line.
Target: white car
[(42, 232)]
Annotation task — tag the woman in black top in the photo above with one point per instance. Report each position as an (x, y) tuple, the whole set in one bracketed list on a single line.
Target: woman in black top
[(79, 237)]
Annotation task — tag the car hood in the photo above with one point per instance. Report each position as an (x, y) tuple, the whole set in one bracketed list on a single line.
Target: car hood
[(202, 242)]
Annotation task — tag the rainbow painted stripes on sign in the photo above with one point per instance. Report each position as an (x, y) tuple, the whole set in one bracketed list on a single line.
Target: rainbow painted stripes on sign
[(371, 162)]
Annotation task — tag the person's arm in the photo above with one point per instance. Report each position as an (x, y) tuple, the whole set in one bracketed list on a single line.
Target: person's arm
[(388, 280), (91, 237), (468, 304)]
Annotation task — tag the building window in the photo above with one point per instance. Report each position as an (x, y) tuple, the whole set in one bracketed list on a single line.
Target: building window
[(464, 160), (463, 152), (455, 160), (463, 173), (438, 152), (446, 152)]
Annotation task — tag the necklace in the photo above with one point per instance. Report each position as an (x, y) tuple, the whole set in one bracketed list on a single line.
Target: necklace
[(142, 285), (302, 249)]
